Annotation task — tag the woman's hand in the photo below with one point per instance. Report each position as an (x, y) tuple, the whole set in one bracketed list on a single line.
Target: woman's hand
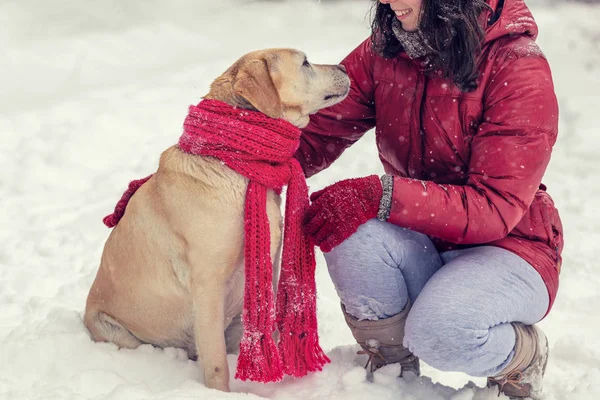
[(338, 210)]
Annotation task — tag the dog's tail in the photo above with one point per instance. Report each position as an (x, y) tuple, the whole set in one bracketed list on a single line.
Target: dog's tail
[(104, 328)]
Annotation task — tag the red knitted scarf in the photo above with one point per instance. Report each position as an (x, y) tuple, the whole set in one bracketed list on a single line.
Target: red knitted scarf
[(261, 149)]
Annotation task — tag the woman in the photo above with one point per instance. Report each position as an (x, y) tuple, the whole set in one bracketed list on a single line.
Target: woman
[(454, 254)]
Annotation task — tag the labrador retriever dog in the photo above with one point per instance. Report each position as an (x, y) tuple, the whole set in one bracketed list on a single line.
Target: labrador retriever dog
[(171, 273)]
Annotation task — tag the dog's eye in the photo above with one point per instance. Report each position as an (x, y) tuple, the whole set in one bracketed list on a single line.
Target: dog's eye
[(306, 63)]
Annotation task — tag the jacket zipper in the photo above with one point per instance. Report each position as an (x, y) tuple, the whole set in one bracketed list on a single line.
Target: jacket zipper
[(417, 169)]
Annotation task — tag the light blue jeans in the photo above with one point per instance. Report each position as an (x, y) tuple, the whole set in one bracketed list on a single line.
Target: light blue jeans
[(463, 301)]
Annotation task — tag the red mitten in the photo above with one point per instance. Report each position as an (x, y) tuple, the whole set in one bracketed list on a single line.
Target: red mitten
[(338, 210)]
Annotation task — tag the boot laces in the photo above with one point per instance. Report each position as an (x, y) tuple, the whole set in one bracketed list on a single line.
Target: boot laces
[(372, 350), (513, 378)]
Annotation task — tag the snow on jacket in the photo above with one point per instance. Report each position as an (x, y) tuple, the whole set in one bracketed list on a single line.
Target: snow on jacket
[(468, 166)]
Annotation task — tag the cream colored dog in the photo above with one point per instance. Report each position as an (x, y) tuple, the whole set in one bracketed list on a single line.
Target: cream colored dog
[(171, 272)]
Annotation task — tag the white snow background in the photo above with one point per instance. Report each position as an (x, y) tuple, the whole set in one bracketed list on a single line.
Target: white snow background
[(92, 92)]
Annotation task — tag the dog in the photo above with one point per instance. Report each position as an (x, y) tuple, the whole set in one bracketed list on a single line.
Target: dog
[(171, 272)]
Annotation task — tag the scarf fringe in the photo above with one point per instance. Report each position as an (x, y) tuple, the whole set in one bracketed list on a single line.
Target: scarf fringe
[(301, 354), (259, 359)]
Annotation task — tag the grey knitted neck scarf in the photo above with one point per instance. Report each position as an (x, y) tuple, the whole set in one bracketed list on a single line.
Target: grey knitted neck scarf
[(414, 43)]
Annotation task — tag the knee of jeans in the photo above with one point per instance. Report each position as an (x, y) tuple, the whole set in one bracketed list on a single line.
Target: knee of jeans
[(375, 239), (439, 338), (422, 332), (359, 241), (358, 250)]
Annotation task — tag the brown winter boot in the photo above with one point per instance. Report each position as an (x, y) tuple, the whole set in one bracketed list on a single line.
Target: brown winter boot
[(381, 340), (522, 378)]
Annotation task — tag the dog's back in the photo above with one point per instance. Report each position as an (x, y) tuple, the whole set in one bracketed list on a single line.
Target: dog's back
[(145, 259)]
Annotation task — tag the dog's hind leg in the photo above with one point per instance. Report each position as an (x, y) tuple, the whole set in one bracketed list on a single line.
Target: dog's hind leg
[(105, 328)]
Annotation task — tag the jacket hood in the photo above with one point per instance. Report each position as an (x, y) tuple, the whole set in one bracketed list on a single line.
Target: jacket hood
[(510, 17)]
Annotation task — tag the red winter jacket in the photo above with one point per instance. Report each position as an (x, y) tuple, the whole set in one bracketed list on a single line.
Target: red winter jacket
[(468, 166)]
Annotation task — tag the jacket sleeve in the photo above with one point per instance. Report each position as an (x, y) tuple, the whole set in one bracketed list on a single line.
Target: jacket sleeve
[(334, 129), (509, 155)]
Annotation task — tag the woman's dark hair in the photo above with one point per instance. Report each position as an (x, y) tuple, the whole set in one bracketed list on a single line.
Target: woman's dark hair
[(452, 29)]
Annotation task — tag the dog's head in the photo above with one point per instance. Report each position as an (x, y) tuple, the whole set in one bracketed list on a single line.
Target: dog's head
[(281, 83)]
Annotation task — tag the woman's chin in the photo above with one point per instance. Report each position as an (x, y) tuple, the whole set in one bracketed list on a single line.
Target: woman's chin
[(407, 27)]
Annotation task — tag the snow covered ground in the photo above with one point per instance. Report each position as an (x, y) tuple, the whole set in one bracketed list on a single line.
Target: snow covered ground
[(92, 92)]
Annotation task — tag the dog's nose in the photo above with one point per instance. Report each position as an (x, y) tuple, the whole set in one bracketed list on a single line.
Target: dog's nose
[(340, 66)]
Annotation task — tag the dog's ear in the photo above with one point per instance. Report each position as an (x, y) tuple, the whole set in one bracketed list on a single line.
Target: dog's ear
[(254, 83)]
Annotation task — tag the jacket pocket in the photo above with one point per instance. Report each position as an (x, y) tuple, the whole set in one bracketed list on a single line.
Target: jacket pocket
[(552, 224), (541, 223)]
